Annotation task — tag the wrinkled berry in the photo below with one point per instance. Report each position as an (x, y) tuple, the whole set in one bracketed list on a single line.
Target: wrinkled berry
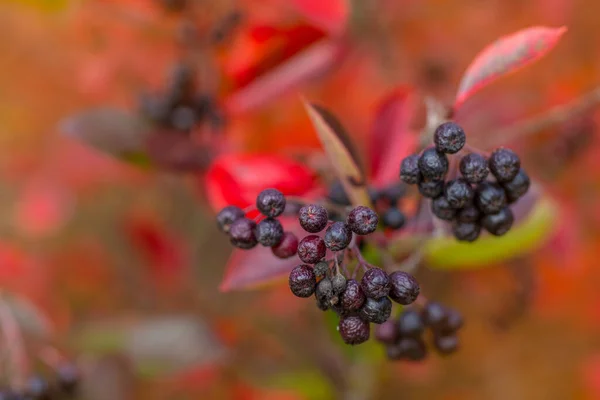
[(269, 232), (466, 231), (311, 249), (270, 202), (404, 288), (449, 138), (474, 168), (362, 220), (67, 377), (458, 192), (387, 332), (490, 198), (407, 348), (469, 213), (504, 164), (353, 297), (338, 284), (410, 324), (321, 269), (227, 216), (313, 218), (500, 223), (324, 291), (433, 164), (409, 169), (431, 188), (338, 236), (445, 344), (287, 247), (442, 209), (393, 218), (434, 315), (375, 283), (302, 281), (376, 310), (337, 194), (241, 233), (354, 330), (517, 187)]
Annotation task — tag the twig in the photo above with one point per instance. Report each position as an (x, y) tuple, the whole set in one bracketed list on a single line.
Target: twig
[(14, 343), (361, 260)]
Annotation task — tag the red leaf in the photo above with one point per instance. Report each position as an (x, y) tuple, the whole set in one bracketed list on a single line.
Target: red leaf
[(331, 15), (236, 179), (506, 55), (391, 136)]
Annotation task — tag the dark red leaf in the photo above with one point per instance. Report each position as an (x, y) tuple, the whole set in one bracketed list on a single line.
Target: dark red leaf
[(391, 138), (236, 179), (331, 15), (506, 55)]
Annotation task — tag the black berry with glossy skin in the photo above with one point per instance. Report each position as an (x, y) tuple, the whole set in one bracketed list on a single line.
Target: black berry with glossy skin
[(409, 349), (449, 138), (353, 297), (270, 202), (68, 377), (474, 168), (431, 189), (410, 324), (354, 330), (469, 213), (287, 247), (393, 218), (517, 187), (376, 310), (434, 315), (490, 198), (500, 223), (446, 344), (404, 288), (466, 231), (337, 194), (313, 218), (433, 164), (394, 193), (311, 249), (269, 232), (302, 281), (321, 269), (387, 332), (409, 169), (442, 209), (362, 220), (241, 233), (338, 236), (324, 292), (458, 192), (375, 283), (228, 216), (504, 164)]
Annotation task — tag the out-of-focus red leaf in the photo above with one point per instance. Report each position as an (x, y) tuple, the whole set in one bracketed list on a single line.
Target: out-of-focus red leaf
[(391, 138), (331, 15), (236, 179), (506, 55)]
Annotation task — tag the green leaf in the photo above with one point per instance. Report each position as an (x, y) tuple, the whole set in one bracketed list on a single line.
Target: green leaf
[(310, 384), (448, 253), (341, 153)]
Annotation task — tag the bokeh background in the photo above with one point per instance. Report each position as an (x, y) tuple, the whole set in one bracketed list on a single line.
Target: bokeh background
[(119, 265)]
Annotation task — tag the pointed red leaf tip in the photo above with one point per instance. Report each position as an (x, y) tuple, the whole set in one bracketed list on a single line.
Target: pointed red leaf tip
[(506, 55), (330, 15), (391, 136), (236, 179)]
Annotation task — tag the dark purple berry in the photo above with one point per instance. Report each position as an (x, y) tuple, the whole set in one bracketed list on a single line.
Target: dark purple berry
[(474, 168), (449, 138), (490, 198), (394, 193), (7, 394), (374, 194), (375, 283), (324, 292), (311, 249), (407, 348), (454, 321), (228, 216), (338, 284), (500, 223), (433, 165), (354, 330), (269, 232), (321, 269), (386, 332), (270, 202), (68, 377), (442, 209), (37, 388), (313, 218), (458, 192), (322, 304), (410, 324), (470, 213), (409, 169), (404, 288), (517, 187), (431, 188), (504, 164), (337, 194), (376, 310), (362, 220), (287, 247), (241, 233), (434, 315), (338, 236), (445, 344), (302, 281), (353, 297), (466, 231), (393, 218), (183, 118)]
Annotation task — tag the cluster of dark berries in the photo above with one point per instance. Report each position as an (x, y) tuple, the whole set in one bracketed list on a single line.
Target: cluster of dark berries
[(404, 337), (471, 201), (180, 107), (386, 202), (246, 233), (37, 387)]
